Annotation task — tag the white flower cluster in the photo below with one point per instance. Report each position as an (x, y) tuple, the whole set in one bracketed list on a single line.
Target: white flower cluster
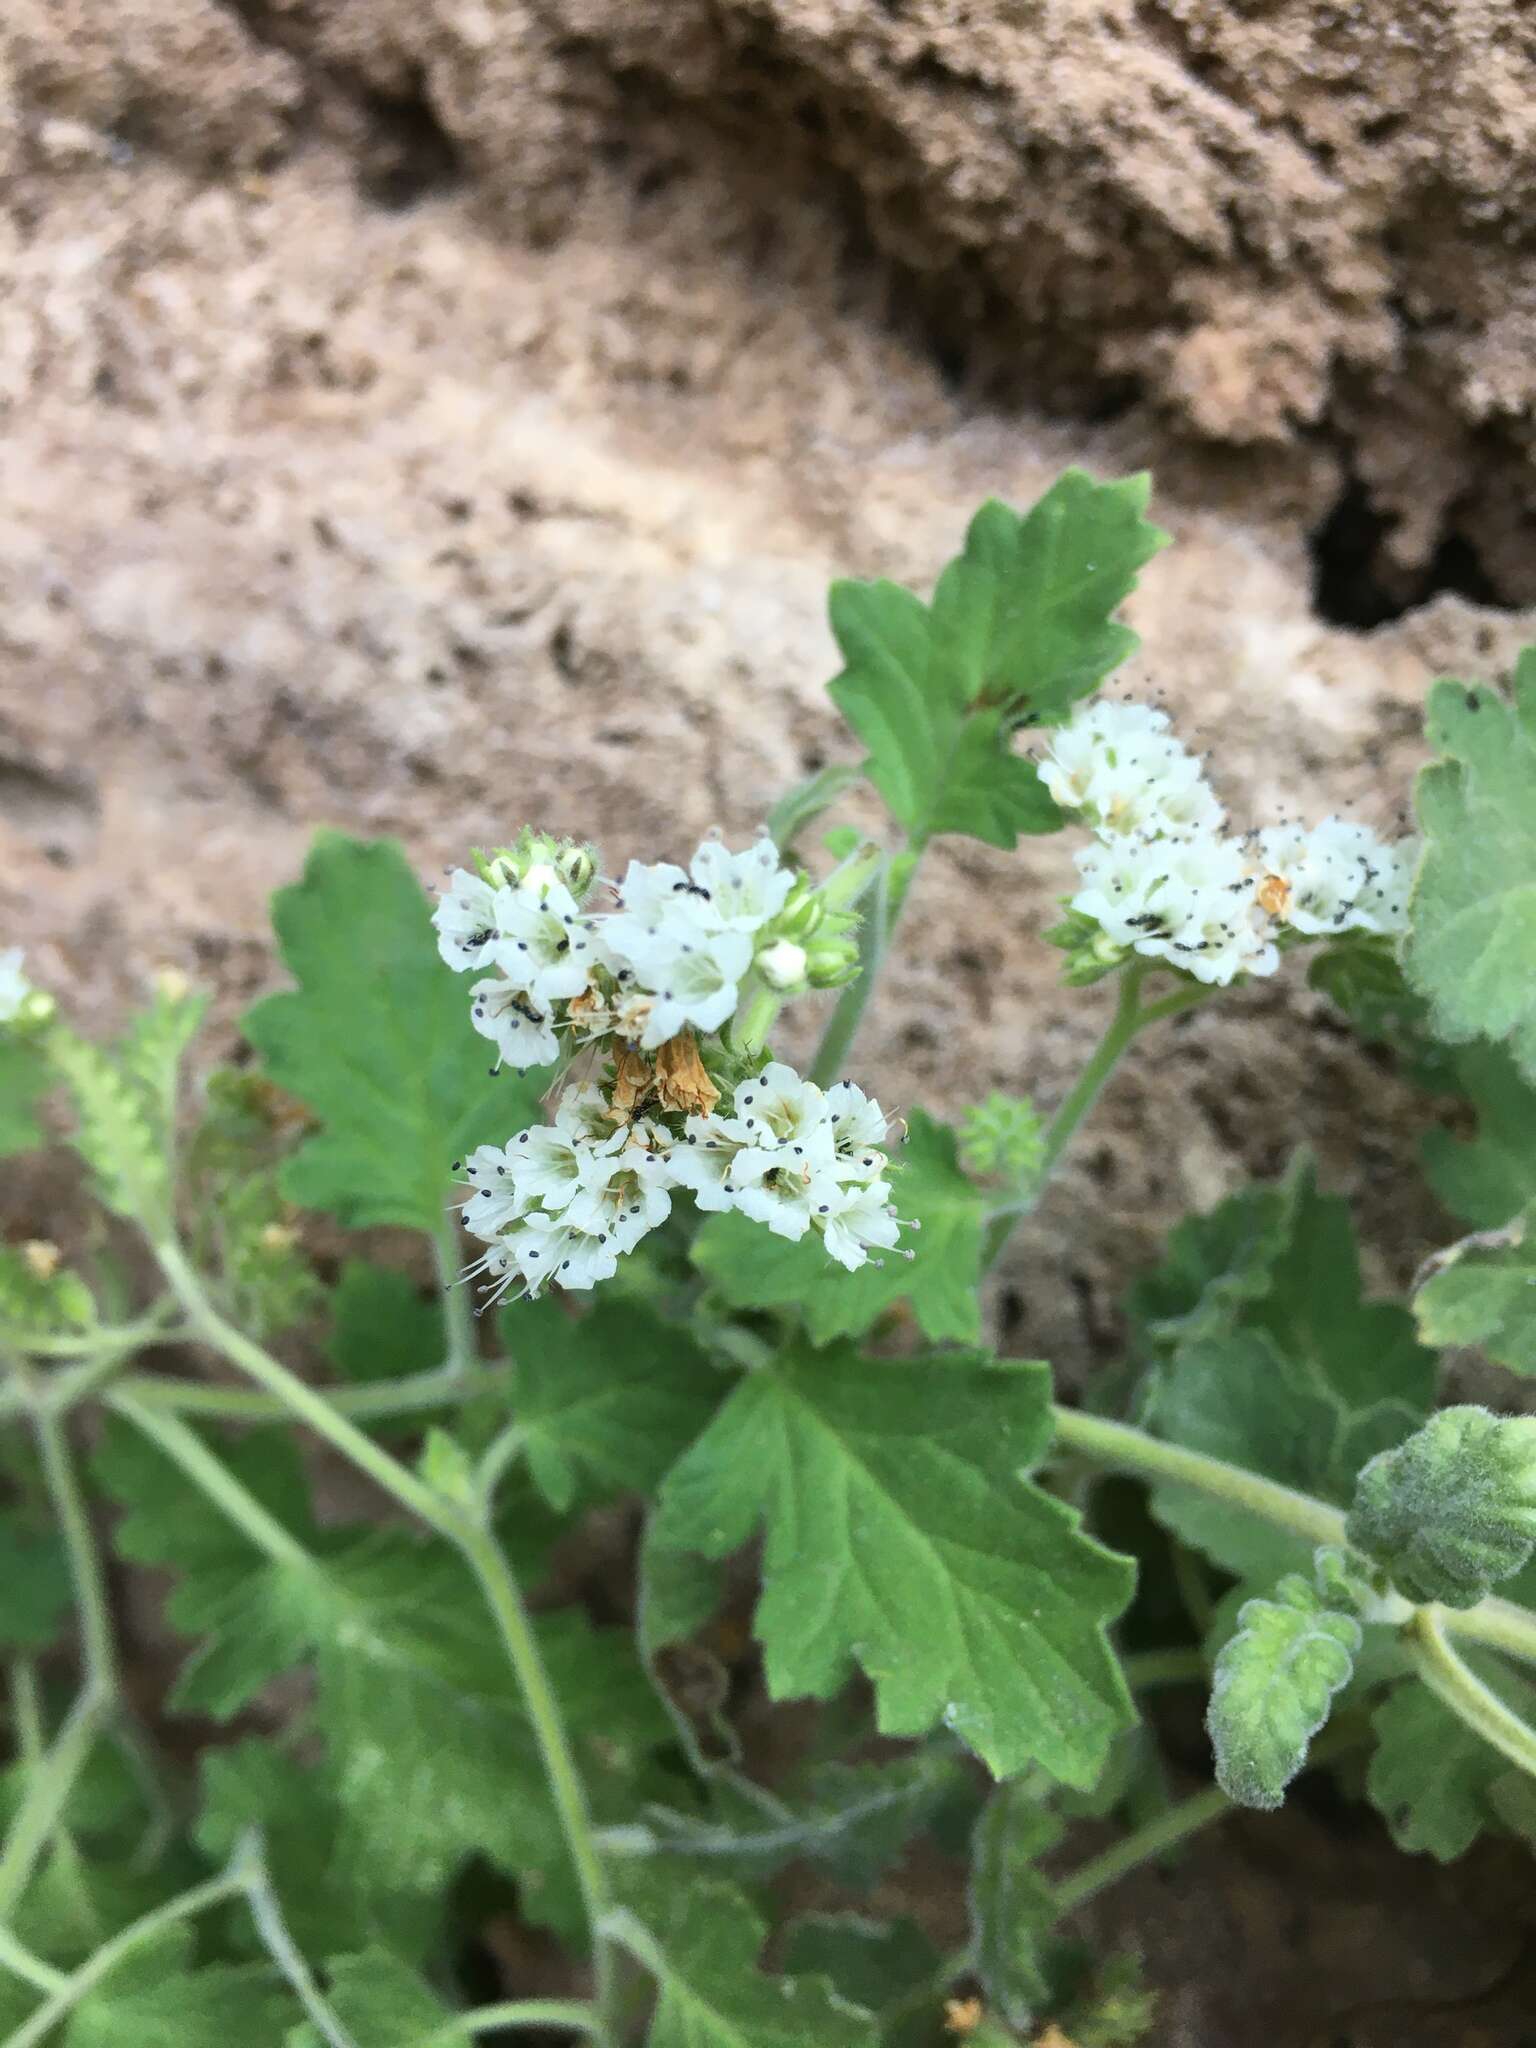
[(562, 1203), (14, 985), (671, 954), (1165, 878)]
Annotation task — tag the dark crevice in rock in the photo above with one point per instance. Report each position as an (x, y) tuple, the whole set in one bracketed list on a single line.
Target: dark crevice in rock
[(1355, 582)]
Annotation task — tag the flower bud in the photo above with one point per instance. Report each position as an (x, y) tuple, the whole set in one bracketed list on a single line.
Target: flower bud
[(832, 963), (783, 964), (538, 860)]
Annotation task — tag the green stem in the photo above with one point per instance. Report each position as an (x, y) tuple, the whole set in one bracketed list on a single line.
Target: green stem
[(458, 1308), (83, 1981), (484, 1557), (1147, 1670), (1160, 1834), (209, 1472), (874, 941), (284, 1951), (374, 1401), (1499, 1624), (80, 1547), (48, 1790), (521, 2012), (505, 1601), (1468, 1698), (30, 1968)]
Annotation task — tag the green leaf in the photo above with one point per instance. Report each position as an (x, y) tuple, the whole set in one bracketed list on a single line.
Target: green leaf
[(1487, 1179), (1483, 1291), (1360, 973), (381, 2002), (151, 1050), (377, 1041), (1472, 938), (36, 1591), (1013, 1907), (701, 1942), (1453, 1510), (1276, 1363), (1019, 630), (966, 1594), (381, 1327), (1023, 615), (1431, 1774), (1272, 1688), (751, 1268), (803, 805), (329, 1902), (24, 1078), (155, 1999), (608, 1400), (870, 1963)]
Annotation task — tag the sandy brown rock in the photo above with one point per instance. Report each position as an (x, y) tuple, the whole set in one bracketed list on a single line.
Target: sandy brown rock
[(428, 518)]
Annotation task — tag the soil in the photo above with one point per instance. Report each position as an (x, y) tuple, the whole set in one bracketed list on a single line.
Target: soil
[(423, 417)]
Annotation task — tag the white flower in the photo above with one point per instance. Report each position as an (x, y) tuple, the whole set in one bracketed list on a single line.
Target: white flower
[(14, 985), (547, 1250), (855, 1218), (497, 1198), (623, 1196), (1336, 877), (857, 1119), (466, 921), (1382, 905), (702, 1162), (1120, 766), (543, 943), (694, 981), (521, 1032), (772, 1185), (741, 891)]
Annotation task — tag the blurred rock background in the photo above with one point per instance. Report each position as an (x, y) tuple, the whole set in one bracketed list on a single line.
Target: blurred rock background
[(422, 415)]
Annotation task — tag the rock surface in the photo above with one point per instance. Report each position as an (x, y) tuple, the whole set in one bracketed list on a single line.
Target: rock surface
[(418, 418)]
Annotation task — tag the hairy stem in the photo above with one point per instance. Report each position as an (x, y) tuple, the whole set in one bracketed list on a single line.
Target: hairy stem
[(520, 2012), (206, 1470), (485, 1558), (284, 1951), (1500, 1624), (30, 1968), (1158, 1835), (458, 1309), (48, 1788), (80, 1547), (84, 1981), (444, 1385), (874, 940), (1468, 1698)]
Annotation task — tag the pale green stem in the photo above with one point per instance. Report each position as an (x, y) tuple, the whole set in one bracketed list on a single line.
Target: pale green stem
[(500, 1455), (48, 1788), (280, 1945), (1160, 1834), (1148, 1670), (30, 1968), (1498, 1623), (875, 935), (485, 1558), (206, 1470), (374, 1401), (80, 1547), (520, 2012), (82, 1982), (1468, 1698), (27, 1713), (458, 1308)]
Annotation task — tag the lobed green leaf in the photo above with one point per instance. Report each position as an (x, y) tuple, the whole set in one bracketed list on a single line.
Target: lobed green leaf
[(1273, 1687), (1483, 1291)]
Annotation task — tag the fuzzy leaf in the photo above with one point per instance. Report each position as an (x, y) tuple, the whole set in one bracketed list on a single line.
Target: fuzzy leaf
[(1452, 1511), (701, 1943), (1483, 1291), (870, 1963), (1361, 974), (1019, 629), (1013, 1907), (1288, 1371), (1487, 1179), (1431, 1774), (381, 1328), (607, 1400), (155, 1999), (968, 1595), (1272, 1689), (1472, 943), (116, 1131), (751, 1268), (377, 1041)]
